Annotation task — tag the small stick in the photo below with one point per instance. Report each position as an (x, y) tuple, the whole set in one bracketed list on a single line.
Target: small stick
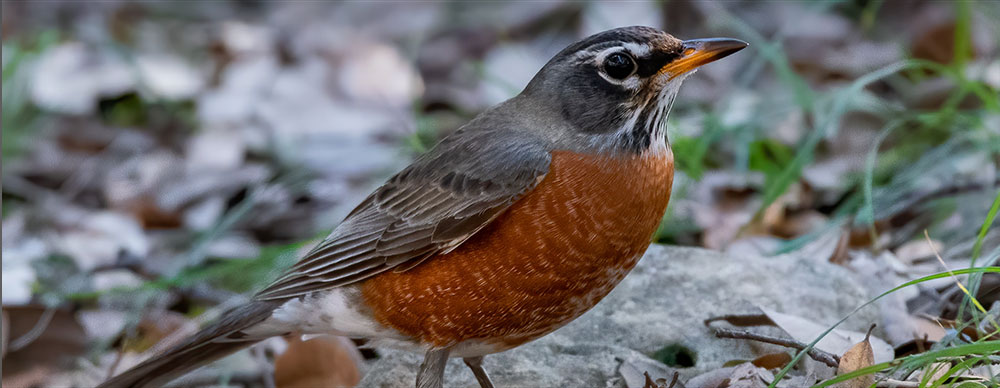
[(119, 354), (651, 384), (816, 354), (742, 320), (36, 331), (673, 381), (649, 381)]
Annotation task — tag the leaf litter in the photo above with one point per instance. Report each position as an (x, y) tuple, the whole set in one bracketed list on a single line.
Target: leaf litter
[(150, 155)]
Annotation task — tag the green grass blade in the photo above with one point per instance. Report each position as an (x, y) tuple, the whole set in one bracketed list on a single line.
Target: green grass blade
[(992, 215), (868, 209), (963, 36), (962, 365), (840, 105), (939, 275), (923, 358)]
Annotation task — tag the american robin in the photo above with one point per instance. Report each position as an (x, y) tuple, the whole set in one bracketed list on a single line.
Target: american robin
[(508, 229)]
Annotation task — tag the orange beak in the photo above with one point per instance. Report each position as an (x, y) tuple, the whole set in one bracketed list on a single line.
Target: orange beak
[(698, 52)]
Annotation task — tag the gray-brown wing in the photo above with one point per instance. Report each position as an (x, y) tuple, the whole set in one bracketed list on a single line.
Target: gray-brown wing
[(429, 208)]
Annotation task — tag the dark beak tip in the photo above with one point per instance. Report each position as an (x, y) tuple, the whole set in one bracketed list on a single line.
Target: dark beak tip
[(721, 45), (739, 44), (736, 46)]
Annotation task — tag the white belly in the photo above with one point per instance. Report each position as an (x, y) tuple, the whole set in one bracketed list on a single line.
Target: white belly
[(338, 311)]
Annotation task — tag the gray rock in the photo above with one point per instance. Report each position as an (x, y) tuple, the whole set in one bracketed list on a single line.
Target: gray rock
[(662, 302)]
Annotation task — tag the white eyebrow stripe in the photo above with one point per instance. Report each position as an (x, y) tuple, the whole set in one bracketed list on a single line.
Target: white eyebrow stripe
[(637, 49)]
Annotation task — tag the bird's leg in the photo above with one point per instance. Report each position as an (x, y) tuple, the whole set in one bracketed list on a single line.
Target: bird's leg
[(476, 364), (431, 374)]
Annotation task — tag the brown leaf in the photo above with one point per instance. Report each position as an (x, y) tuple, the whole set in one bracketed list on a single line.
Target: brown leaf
[(638, 371), (6, 332), (937, 43), (324, 361), (41, 341), (712, 378), (151, 215), (156, 327), (837, 341), (928, 329), (859, 356), (936, 370), (913, 251), (743, 320), (649, 383), (840, 253), (155, 332), (772, 361), (742, 376), (798, 223)]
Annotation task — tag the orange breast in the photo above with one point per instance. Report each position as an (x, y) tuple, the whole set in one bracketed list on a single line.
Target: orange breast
[(552, 256)]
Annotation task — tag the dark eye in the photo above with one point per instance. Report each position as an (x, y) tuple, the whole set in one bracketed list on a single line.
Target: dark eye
[(618, 65)]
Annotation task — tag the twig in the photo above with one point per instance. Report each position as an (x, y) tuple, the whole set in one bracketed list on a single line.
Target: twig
[(651, 384), (673, 381), (35, 332), (816, 354), (920, 198), (742, 319), (119, 354)]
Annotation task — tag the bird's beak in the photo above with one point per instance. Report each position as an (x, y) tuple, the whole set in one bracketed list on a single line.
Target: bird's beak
[(697, 52)]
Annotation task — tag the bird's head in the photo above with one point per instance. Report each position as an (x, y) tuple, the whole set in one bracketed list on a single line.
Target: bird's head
[(616, 87)]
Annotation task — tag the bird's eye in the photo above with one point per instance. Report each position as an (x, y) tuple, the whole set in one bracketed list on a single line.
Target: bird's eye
[(619, 66)]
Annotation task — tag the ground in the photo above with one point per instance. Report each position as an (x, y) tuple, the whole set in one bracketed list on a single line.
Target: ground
[(163, 160)]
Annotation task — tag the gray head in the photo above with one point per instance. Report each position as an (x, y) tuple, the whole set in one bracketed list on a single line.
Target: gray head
[(615, 88)]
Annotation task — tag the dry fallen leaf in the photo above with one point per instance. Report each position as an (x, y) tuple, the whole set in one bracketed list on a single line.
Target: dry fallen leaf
[(322, 361), (634, 371), (155, 332), (5, 327), (806, 380), (926, 328), (712, 378), (725, 203), (773, 360), (936, 370), (661, 383), (745, 375), (42, 342), (158, 330), (837, 341), (859, 356), (912, 251)]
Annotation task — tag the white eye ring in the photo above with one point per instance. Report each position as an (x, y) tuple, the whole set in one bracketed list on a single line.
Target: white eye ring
[(631, 81)]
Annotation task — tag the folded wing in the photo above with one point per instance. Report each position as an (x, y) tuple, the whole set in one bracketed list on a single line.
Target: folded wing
[(429, 208)]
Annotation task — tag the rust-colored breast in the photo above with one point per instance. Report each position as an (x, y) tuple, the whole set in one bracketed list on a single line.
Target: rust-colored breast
[(552, 256)]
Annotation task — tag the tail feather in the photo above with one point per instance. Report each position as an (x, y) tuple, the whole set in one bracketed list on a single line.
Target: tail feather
[(210, 344)]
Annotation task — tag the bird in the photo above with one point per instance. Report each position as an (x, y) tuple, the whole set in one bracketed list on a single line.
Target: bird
[(510, 227)]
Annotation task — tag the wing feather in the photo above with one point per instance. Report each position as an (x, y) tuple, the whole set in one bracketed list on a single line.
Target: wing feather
[(429, 208)]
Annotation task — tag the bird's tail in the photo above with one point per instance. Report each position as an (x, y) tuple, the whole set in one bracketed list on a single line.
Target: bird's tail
[(210, 344)]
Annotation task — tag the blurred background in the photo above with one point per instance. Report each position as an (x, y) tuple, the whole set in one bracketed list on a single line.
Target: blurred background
[(161, 159)]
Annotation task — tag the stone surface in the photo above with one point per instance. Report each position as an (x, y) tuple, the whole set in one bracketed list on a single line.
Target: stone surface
[(662, 302)]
